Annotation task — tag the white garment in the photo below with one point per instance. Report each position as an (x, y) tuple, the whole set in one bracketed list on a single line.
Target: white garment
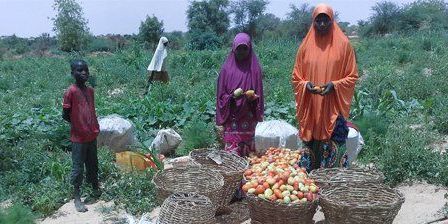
[(159, 56)]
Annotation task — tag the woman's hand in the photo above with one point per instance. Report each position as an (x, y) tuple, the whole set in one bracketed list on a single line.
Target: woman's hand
[(313, 89), (250, 95), (328, 88), (237, 93)]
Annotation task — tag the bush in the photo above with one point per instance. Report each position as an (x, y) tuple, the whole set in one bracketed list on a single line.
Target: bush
[(101, 44), (198, 134), (440, 112), (388, 17), (204, 41), (16, 214), (424, 14), (384, 20), (406, 154)]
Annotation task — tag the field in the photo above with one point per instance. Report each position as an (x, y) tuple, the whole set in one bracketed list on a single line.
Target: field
[(400, 105)]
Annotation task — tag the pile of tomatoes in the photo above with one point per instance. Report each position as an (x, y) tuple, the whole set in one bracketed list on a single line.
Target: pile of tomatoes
[(277, 177)]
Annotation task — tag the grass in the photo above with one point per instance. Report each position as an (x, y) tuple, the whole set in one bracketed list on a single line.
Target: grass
[(396, 91)]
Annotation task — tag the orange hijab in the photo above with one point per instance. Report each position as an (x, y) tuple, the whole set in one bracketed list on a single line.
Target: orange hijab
[(321, 59)]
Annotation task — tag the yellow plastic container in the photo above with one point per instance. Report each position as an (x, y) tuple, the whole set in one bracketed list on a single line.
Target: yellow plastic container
[(133, 161)]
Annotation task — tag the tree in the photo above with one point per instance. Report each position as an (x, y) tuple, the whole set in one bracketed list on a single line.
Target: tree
[(247, 15), (43, 43), (385, 17), (208, 22), (70, 25), (268, 24), (429, 14), (299, 20), (151, 30)]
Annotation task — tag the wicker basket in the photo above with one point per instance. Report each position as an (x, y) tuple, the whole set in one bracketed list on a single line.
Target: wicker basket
[(187, 180), (186, 208), (267, 212), (361, 203), (327, 177), (231, 168)]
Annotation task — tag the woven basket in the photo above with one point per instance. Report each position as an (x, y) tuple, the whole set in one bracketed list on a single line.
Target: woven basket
[(330, 177), (267, 212), (186, 208), (193, 179), (361, 203), (231, 168)]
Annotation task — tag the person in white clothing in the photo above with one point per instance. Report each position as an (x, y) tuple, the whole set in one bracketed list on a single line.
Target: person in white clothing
[(157, 69)]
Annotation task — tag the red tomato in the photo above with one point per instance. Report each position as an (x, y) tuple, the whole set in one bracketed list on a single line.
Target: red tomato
[(266, 185), (309, 197), (278, 194), (259, 189), (246, 187), (296, 185), (281, 182)]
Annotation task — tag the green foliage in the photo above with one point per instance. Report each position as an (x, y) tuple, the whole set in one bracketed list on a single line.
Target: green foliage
[(388, 17), (70, 25), (248, 15), (299, 20), (439, 108), (176, 39), (16, 214), (204, 40), (406, 154), (425, 14), (198, 134), (208, 21), (134, 190), (385, 19), (267, 25), (150, 31), (101, 44)]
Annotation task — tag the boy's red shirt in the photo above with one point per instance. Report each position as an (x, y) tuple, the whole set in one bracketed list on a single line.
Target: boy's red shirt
[(84, 124)]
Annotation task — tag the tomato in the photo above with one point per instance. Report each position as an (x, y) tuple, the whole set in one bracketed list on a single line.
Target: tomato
[(248, 172), (246, 187), (281, 182), (270, 181), (278, 194), (309, 197), (259, 190), (266, 185), (300, 195), (296, 185)]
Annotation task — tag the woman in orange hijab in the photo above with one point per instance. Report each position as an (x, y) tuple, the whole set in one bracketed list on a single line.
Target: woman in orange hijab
[(324, 79)]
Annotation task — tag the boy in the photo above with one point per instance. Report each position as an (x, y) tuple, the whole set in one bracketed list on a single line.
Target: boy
[(79, 111)]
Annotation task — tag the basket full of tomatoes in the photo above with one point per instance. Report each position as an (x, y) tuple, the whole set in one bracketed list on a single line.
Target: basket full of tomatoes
[(278, 190)]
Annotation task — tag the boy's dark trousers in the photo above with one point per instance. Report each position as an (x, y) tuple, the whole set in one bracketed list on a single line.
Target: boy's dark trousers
[(84, 154)]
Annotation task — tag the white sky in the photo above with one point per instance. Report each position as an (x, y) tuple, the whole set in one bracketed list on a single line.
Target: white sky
[(27, 18)]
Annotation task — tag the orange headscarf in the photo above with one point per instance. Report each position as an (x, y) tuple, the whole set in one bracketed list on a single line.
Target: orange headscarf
[(321, 59)]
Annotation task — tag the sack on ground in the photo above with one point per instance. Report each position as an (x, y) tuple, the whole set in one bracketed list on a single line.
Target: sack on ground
[(353, 145), (275, 133), (166, 141), (116, 133)]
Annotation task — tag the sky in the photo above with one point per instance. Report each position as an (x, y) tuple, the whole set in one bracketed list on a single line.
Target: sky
[(30, 18)]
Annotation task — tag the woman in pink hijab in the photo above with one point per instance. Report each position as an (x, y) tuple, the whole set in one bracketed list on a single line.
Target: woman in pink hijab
[(239, 98)]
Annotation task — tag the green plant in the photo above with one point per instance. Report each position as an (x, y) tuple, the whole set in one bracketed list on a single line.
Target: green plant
[(16, 214), (150, 31), (198, 134), (70, 25)]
